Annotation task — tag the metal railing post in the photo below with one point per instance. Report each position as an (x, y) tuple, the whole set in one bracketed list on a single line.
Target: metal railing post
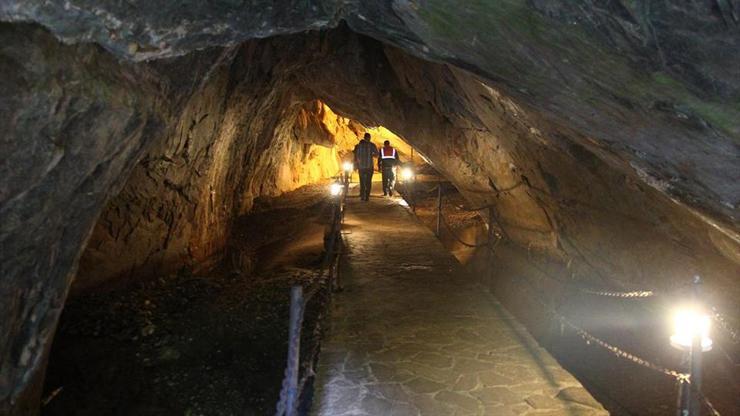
[(439, 208), (288, 404), (411, 192), (491, 217), (695, 357), (292, 388)]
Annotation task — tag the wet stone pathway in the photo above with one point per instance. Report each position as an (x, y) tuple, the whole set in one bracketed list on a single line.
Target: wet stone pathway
[(412, 335)]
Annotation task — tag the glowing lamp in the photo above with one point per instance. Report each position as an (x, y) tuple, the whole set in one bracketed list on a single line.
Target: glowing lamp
[(335, 189), (689, 324), (407, 174), (348, 167)]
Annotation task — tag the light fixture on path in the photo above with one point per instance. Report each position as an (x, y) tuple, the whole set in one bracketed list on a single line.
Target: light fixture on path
[(335, 189), (690, 323), (691, 326), (407, 173)]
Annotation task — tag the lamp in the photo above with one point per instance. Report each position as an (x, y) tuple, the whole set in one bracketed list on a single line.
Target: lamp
[(348, 167), (407, 174), (335, 189), (690, 323)]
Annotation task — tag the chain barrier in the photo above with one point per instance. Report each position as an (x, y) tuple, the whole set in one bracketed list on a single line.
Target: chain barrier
[(614, 294), (452, 232), (624, 295), (463, 208), (496, 191), (618, 352), (459, 240), (720, 319), (634, 294), (589, 338)]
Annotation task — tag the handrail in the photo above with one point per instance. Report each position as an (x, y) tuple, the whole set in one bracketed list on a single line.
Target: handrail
[(684, 379), (293, 387)]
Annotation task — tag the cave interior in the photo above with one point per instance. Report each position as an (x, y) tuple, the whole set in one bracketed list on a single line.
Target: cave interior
[(123, 166)]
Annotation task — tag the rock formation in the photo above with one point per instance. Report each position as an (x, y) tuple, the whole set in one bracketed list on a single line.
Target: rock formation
[(606, 133)]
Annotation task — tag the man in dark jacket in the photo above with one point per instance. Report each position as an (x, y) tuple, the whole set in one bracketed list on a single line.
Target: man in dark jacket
[(364, 152), (387, 163)]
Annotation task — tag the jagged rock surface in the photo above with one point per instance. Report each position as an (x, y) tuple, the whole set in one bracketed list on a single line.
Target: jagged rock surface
[(606, 133), (596, 66)]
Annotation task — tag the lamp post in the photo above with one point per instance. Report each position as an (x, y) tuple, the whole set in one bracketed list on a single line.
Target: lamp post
[(335, 190), (408, 176), (439, 208), (691, 335), (348, 167)]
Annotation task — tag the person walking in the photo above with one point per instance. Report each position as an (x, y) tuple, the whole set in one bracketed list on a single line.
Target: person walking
[(364, 152), (387, 163)]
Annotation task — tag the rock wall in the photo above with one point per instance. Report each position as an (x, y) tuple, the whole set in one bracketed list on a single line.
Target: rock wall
[(71, 129), (661, 68), (239, 136), (177, 148), (588, 146)]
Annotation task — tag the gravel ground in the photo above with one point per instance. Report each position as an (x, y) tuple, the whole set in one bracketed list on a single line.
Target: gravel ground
[(211, 344)]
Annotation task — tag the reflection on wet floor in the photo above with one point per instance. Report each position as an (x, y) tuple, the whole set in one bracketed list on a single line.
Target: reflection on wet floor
[(412, 335)]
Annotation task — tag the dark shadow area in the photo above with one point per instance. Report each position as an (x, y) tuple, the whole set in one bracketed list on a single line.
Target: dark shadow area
[(210, 343)]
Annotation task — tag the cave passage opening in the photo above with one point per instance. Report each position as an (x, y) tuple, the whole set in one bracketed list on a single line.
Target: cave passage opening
[(155, 333), (194, 144)]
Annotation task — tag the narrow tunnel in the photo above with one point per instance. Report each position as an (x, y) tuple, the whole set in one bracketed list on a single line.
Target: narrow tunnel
[(162, 198)]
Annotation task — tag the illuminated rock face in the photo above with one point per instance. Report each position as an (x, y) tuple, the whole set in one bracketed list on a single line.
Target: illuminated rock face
[(177, 206), (662, 69), (594, 136)]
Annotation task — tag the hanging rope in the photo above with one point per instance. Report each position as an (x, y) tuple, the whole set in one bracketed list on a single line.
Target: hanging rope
[(459, 240), (495, 191), (452, 232)]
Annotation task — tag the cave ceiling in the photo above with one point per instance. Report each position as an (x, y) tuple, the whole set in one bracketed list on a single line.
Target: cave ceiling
[(652, 84)]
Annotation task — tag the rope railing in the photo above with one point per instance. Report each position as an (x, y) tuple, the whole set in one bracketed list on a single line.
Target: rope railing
[(623, 295), (589, 339), (682, 378), (456, 237), (721, 320), (297, 374), (495, 191)]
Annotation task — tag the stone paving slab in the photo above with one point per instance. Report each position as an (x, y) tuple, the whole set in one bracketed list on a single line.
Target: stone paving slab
[(412, 335)]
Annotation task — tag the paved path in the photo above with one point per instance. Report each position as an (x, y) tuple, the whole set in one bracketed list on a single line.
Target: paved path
[(411, 335)]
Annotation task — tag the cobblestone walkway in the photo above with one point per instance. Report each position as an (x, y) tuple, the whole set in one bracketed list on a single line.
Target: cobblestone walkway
[(411, 335)]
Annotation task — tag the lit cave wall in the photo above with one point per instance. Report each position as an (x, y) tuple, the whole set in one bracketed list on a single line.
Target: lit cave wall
[(590, 131)]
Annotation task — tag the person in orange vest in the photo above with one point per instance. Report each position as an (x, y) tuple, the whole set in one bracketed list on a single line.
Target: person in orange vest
[(387, 162)]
